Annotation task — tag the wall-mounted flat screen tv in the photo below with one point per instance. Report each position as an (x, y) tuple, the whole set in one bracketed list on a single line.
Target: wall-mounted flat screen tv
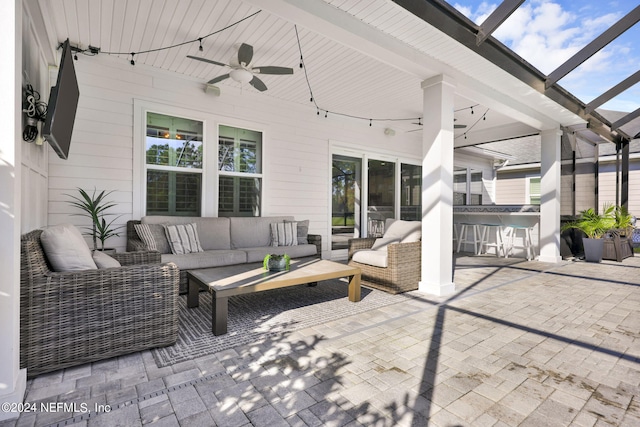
[(63, 103)]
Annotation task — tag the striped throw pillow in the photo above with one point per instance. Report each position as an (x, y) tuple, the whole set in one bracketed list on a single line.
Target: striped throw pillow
[(183, 238), (154, 237), (284, 234)]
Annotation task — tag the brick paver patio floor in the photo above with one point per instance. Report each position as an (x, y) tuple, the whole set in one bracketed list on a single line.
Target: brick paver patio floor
[(519, 344)]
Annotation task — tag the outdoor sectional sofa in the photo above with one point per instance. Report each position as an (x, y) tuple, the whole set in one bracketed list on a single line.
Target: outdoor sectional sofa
[(224, 241)]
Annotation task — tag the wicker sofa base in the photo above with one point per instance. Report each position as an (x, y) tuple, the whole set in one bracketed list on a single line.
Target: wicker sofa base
[(384, 280), (403, 272)]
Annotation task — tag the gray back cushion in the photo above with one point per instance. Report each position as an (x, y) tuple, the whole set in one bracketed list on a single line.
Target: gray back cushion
[(66, 249), (213, 232), (253, 232)]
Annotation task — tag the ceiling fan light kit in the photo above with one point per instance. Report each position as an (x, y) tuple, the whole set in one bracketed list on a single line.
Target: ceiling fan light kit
[(241, 75)]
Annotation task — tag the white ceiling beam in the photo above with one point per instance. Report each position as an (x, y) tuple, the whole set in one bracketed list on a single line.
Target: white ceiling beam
[(497, 133)]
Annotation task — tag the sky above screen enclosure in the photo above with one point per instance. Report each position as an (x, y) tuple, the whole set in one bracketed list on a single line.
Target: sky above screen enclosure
[(546, 33)]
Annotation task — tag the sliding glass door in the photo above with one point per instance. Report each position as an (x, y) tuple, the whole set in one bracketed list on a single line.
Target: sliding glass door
[(366, 190), (346, 184), (381, 195)]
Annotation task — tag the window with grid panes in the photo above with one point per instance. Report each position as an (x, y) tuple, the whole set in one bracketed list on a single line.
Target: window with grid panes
[(534, 190), (173, 148), (240, 171)]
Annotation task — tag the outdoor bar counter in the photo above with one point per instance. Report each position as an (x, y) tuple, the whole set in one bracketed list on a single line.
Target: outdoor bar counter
[(505, 216)]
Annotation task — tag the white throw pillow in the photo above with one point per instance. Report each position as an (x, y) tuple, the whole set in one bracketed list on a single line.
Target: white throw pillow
[(66, 249), (284, 234), (381, 243), (400, 229), (103, 260), (183, 238)]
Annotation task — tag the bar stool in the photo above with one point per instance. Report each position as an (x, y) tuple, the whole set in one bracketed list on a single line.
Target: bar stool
[(463, 237), (527, 242), (499, 243)]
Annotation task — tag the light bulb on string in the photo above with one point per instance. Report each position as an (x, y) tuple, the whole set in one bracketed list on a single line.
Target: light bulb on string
[(200, 41), (301, 62), (370, 121), (471, 110), (132, 61), (325, 114)]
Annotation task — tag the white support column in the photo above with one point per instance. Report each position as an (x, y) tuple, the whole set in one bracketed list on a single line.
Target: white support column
[(550, 196), (437, 186), (12, 378)]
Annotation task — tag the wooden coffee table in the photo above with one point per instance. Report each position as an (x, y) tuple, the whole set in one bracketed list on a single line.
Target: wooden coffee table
[(224, 282)]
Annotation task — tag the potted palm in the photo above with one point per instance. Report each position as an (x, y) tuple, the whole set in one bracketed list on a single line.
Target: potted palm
[(94, 207), (594, 226)]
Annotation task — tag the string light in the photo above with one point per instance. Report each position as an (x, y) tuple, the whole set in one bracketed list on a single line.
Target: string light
[(313, 99), (94, 50), (325, 114), (484, 117)]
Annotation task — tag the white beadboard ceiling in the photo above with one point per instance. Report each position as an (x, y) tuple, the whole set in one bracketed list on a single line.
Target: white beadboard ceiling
[(364, 58)]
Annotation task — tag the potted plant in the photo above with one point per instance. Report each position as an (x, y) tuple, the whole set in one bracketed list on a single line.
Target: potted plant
[(594, 226), (94, 207), (275, 262)]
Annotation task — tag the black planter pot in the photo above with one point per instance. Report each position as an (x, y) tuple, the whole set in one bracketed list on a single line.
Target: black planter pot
[(593, 249)]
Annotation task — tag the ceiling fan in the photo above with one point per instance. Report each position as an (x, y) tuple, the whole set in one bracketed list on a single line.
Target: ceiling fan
[(241, 69), (419, 123)]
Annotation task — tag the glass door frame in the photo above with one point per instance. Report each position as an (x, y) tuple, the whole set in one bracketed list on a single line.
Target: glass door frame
[(365, 155)]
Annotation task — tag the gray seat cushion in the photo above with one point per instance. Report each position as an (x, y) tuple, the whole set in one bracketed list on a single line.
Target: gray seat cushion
[(298, 251), (206, 259), (66, 249)]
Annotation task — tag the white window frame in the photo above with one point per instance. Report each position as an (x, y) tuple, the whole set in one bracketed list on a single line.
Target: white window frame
[(210, 181), (527, 192), (259, 175)]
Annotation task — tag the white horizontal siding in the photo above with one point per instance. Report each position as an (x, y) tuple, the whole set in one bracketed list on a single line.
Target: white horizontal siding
[(511, 188), (295, 148)]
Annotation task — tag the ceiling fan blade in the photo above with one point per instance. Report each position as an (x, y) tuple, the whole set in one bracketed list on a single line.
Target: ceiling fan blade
[(245, 54), (258, 84), (218, 79), (272, 70), (209, 61)]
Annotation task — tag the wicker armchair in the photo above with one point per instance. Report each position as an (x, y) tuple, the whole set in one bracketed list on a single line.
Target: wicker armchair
[(78, 317), (403, 269)]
